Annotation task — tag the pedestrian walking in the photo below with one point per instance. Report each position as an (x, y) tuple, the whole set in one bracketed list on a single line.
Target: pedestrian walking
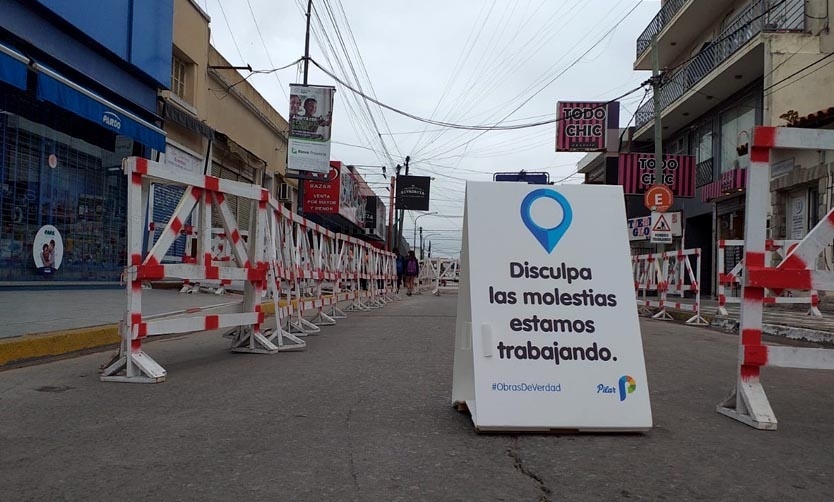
[(400, 268), (412, 270)]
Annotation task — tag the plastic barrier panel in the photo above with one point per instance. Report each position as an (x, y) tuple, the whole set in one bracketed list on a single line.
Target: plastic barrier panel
[(301, 266), (748, 401)]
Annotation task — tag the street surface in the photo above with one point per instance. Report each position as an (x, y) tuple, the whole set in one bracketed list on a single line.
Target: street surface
[(365, 414)]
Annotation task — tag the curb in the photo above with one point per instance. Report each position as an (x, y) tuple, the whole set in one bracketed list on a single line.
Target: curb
[(730, 325), (40, 347)]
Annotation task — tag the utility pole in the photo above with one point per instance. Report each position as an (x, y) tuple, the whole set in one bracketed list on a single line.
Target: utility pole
[(300, 209), (391, 214), (397, 229), (657, 79), (402, 211), (307, 41), (421, 243)]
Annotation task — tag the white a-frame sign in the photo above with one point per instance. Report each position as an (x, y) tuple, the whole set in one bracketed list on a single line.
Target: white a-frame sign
[(547, 331)]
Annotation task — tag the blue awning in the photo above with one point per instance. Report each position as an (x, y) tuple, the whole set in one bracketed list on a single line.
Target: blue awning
[(13, 67), (56, 89)]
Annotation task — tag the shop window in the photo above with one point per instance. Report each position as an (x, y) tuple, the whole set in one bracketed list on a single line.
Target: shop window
[(700, 147), (48, 178), (736, 127)]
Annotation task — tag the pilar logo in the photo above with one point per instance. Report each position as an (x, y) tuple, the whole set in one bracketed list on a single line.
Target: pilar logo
[(627, 385), (547, 237), (112, 120)]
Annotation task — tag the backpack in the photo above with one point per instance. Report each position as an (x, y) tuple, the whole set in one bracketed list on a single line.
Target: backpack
[(411, 267)]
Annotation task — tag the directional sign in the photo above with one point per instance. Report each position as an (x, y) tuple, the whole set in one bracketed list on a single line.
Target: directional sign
[(661, 229), (659, 198)]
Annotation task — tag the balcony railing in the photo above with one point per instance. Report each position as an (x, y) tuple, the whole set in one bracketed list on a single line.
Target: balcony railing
[(703, 173), (657, 24), (758, 18)]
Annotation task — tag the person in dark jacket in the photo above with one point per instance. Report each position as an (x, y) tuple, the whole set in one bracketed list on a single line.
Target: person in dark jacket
[(400, 268)]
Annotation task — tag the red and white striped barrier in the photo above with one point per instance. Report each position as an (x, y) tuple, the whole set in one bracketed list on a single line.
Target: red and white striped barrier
[(733, 279), (669, 273), (285, 257), (748, 401)]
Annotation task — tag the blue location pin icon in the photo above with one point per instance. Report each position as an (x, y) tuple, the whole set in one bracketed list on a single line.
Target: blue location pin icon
[(547, 237)]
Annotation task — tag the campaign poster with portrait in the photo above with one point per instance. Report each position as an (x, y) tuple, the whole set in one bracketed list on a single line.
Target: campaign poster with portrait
[(310, 119), (48, 250)]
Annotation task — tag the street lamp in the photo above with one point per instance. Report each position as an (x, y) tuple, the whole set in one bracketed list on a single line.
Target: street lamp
[(423, 239), (414, 239)]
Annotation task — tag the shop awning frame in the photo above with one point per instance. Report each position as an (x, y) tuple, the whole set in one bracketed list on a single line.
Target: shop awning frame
[(13, 67), (63, 92)]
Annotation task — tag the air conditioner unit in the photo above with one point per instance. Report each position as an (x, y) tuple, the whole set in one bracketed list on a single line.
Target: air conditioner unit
[(284, 193)]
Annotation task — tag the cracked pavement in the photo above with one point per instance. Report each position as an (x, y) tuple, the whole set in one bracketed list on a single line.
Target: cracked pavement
[(365, 414)]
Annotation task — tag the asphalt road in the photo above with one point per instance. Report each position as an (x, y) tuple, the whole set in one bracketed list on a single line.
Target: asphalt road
[(364, 414)]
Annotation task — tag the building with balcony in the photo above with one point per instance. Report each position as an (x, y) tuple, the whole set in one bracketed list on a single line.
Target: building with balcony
[(728, 66)]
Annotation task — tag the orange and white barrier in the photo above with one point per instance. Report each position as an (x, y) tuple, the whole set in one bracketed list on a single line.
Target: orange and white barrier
[(665, 274), (303, 267), (733, 279), (748, 401)]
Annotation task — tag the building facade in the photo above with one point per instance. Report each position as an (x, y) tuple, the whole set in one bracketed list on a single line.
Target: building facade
[(78, 92), (728, 66), (216, 124)]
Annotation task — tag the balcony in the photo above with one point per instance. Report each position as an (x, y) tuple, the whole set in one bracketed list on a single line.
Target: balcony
[(734, 60), (678, 23)]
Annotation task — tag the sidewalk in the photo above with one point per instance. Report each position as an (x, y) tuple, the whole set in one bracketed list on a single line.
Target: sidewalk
[(38, 324)]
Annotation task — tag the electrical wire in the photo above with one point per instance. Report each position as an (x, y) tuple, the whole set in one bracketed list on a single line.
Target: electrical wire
[(811, 65), (541, 80), (456, 126), (231, 31), (266, 50), (266, 72)]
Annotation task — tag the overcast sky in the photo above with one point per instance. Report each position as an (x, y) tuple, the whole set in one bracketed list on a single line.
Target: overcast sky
[(467, 62)]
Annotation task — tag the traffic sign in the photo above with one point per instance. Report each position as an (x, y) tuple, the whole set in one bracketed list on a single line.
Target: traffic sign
[(661, 230), (659, 198)]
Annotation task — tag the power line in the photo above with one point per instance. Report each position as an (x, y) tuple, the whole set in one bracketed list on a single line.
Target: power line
[(266, 72), (354, 117), (559, 75), (811, 65), (266, 50), (457, 126), (231, 32)]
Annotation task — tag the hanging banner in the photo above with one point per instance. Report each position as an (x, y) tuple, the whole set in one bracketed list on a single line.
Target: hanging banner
[(351, 200), (311, 115), (322, 197), (547, 335), (369, 222), (374, 217), (581, 126), (637, 173), (413, 193)]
